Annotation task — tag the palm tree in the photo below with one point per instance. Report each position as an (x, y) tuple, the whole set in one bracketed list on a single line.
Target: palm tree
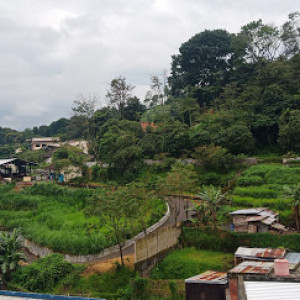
[(211, 200), (294, 193), (9, 253)]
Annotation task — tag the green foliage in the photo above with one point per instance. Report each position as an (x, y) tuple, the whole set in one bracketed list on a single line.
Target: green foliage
[(289, 125), (250, 180), (181, 178), (185, 263), (53, 216), (32, 156), (230, 241), (173, 288), (214, 157), (140, 287), (44, 274), (67, 155), (115, 284), (10, 256)]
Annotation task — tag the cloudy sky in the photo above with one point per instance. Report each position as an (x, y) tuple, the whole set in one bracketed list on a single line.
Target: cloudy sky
[(52, 50)]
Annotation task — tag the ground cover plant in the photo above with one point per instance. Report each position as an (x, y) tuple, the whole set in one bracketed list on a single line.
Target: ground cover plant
[(262, 185), (188, 262), (56, 217)]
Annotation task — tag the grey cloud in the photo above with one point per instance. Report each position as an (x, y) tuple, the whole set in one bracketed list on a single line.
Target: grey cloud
[(51, 50)]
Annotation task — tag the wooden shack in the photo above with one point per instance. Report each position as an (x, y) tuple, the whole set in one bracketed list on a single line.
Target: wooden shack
[(256, 220)]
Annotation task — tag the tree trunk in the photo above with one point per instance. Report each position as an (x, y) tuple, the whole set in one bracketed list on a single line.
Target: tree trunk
[(296, 212), (121, 254)]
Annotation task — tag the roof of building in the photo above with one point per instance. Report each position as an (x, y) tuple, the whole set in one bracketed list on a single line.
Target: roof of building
[(272, 290), (259, 253), (15, 160), (146, 124), (46, 139), (209, 277), (253, 267), (20, 295), (279, 226), (259, 211), (294, 260)]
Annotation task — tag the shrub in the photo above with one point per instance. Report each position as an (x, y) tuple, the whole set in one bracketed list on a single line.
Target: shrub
[(230, 241), (44, 274), (251, 180), (139, 286), (173, 288), (256, 192)]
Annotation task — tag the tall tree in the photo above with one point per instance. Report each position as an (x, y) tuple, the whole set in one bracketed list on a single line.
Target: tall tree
[(294, 193), (260, 41), (84, 109), (290, 35), (203, 60), (119, 94)]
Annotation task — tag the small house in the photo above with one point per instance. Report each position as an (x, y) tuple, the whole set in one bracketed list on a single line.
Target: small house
[(210, 285), (256, 220), (44, 142), (12, 168)]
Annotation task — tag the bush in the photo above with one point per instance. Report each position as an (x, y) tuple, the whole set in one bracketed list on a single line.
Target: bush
[(251, 180), (173, 288), (139, 286), (230, 241), (256, 192), (44, 274)]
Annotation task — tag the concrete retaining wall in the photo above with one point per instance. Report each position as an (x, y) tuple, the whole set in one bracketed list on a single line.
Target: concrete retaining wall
[(41, 251)]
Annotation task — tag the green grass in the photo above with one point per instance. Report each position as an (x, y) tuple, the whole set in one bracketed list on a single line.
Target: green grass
[(262, 186), (54, 216), (188, 262)]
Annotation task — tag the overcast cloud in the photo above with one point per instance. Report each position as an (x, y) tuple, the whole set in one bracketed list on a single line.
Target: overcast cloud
[(51, 50)]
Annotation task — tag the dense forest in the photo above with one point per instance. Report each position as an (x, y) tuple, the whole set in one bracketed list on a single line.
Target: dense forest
[(226, 93)]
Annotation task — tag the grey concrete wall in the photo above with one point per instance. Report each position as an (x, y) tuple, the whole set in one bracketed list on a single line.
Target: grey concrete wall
[(42, 251), (156, 242)]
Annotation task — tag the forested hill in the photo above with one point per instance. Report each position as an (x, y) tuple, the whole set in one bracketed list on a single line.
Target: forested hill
[(225, 92)]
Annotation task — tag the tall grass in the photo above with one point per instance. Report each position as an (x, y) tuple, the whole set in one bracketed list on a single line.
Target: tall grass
[(53, 216), (188, 262)]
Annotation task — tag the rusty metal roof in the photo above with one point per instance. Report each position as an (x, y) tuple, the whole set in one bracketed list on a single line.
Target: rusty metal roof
[(253, 267), (269, 220), (260, 253), (209, 277), (255, 219), (279, 226)]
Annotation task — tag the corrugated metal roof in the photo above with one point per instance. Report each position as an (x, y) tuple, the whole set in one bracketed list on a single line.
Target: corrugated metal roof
[(293, 257), (259, 211), (209, 277), (10, 160), (279, 226), (253, 267), (294, 260), (270, 253), (269, 220), (6, 161), (272, 290), (250, 211), (255, 219)]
